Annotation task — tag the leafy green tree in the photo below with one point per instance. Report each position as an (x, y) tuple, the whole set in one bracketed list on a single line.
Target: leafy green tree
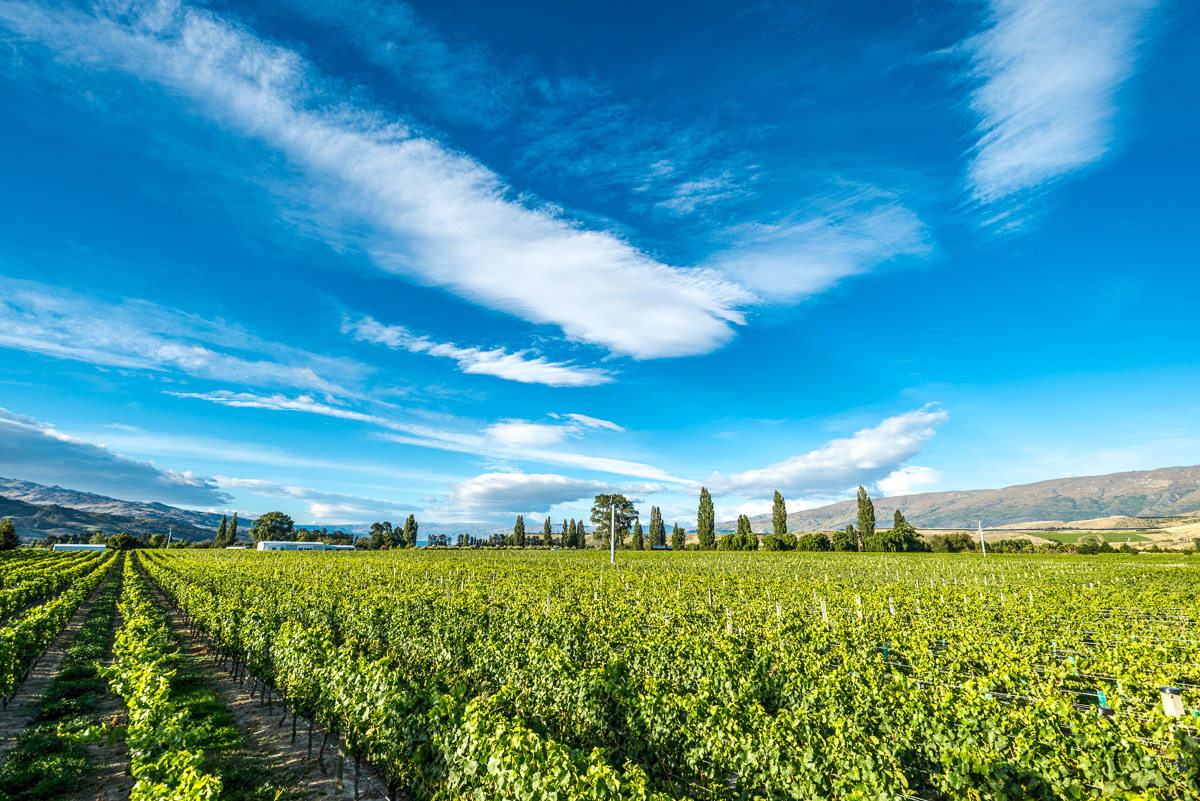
[(866, 517), (547, 533), (846, 540), (158, 540), (272, 526), (122, 542), (566, 541), (9, 539), (601, 517), (518, 535), (408, 538), (779, 515), (98, 538), (222, 530), (678, 538), (814, 541), (639, 540), (382, 535), (231, 535), (746, 539), (706, 521)]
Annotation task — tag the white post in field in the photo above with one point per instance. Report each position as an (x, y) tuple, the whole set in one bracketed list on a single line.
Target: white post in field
[(612, 532), (982, 544)]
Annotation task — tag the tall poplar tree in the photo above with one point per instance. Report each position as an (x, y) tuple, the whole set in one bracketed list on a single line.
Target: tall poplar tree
[(231, 535), (866, 517), (658, 530), (779, 515), (678, 538), (639, 540), (221, 529), (706, 522), (519, 531), (566, 540), (409, 538), (547, 533)]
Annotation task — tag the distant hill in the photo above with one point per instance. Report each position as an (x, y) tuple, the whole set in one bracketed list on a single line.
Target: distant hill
[(37, 510), (35, 521), (1165, 492), (89, 502)]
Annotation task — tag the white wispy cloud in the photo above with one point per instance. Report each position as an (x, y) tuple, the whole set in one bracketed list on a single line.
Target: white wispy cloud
[(503, 441), (848, 233), (36, 451), (868, 456), (493, 495), (1049, 72), (429, 213), (136, 334), (519, 366), (590, 422), (322, 506)]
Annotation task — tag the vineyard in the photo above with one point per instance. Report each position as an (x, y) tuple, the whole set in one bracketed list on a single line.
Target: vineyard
[(699, 675), (554, 675)]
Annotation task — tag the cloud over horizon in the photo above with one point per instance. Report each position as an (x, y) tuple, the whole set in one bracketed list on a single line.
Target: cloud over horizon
[(870, 455), (35, 451)]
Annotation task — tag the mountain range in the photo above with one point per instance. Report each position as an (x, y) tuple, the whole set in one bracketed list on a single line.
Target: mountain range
[(1163, 492)]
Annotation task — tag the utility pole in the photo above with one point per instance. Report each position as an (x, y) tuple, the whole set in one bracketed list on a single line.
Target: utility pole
[(612, 532), (169, 533), (982, 544)]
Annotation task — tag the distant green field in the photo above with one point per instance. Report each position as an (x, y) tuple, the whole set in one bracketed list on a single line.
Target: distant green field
[(1072, 537)]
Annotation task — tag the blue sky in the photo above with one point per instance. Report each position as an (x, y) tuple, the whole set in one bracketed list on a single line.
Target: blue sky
[(353, 260)]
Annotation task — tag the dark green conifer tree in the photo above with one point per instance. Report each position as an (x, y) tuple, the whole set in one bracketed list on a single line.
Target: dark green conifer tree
[(219, 540), (706, 522), (779, 516), (678, 538), (866, 517), (519, 532)]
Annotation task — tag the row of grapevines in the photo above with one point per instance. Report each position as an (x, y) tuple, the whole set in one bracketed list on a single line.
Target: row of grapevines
[(164, 756), (23, 638), (734, 675), (43, 578)]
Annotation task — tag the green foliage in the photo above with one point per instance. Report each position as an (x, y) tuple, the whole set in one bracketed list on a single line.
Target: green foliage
[(123, 541), (408, 538), (272, 526), (678, 537), (382, 535), (846, 540), (164, 757), (706, 521), (639, 540), (816, 541), (954, 542), (602, 517), (547, 533), (222, 532), (518, 535), (866, 517), (534, 675), (8, 536), (778, 515), (231, 535), (658, 529)]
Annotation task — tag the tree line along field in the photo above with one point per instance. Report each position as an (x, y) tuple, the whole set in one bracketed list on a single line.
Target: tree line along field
[(723, 675)]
